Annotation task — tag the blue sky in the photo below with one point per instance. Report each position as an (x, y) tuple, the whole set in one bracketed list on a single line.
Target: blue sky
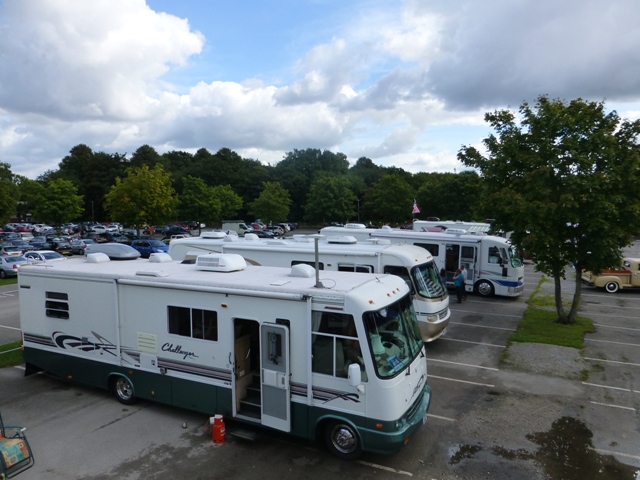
[(405, 83)]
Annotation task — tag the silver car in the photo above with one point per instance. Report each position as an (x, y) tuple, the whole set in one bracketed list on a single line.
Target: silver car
[(9, 265)]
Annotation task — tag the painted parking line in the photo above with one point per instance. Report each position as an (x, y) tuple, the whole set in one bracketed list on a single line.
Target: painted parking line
[(462, 364), (610, 341), (611, 452), (469, 341), (610, 387), (618, 328), (482, 326), (463, 381), (613, 406), (612, 361), (382, 467), (10, 328), (441, 418)]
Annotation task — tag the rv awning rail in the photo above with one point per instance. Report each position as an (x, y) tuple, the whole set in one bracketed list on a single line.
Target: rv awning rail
[(222, 290)]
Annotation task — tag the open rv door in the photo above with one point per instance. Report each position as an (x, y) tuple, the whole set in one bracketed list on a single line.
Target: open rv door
[(274, 375)]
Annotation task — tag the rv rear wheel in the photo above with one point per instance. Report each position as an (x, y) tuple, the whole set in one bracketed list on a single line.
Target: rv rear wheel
[(342, 440), (612, 287), (123, 391), (484, 288)]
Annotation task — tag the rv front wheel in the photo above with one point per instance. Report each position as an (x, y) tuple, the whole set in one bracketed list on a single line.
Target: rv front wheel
[(484, 288), (342, 440), (123, 391)]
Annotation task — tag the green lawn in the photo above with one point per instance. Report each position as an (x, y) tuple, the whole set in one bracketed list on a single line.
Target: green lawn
[(11, 354), (540, 326), (8, 281)]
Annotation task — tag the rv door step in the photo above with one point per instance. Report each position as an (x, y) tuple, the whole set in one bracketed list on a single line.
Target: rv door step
[(244, 434)]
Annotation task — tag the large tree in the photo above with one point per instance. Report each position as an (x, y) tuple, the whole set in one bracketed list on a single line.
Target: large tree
[(389, 200), (273, 203), (198, 202), (59, 202), (564, 179), (144, 197), (330, 198), (8, 192)]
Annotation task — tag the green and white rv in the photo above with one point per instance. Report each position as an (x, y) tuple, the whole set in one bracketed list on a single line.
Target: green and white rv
[(342, 362)]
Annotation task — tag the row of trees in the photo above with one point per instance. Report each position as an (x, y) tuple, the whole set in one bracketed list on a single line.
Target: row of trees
[(309, 185)]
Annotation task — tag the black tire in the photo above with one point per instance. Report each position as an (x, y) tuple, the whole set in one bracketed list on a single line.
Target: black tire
[(612, 287), (484, 288), (122, 389), (342, 440), (2, 274)]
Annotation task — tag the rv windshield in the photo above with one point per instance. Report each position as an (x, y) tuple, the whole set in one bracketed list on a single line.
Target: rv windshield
[(427, 280), (394, 337), (514, 258)]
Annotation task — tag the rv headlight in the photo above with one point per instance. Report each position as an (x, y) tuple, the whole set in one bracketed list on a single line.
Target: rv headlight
[(432, 318)]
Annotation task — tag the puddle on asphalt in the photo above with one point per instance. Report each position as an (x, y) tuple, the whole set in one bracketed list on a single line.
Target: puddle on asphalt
[(565, 452)]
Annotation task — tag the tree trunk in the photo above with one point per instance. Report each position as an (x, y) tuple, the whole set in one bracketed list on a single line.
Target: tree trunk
[(562, 316), (577, 294)]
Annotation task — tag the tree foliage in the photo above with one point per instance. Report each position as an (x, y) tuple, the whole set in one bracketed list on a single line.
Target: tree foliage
[(272, 205), (8, 192), (230, 202), (389, 200), (564, 181), (59, 202), (198, 201), (330, 199), (144, 196)]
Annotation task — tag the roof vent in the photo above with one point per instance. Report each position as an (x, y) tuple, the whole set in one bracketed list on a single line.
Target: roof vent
[(231, 238), (220, 262), (355, 225), (160, 257), (343, 240), (303, 270), (97, 258), (152, 273), (213, 235), (251, 237)]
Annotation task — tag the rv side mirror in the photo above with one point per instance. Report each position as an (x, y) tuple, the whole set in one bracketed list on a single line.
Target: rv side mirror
[(355, 375)]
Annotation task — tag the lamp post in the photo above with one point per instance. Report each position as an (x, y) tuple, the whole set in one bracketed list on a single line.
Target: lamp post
[(358, 200)]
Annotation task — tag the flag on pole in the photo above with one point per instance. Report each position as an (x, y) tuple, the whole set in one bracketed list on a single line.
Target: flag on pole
[(415, 208)]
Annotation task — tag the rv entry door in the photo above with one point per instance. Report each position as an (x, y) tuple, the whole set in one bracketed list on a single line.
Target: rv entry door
[(275, 369), (468, 259)]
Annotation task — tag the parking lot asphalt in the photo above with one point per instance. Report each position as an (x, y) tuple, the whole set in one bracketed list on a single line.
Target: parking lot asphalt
[(486, 420)]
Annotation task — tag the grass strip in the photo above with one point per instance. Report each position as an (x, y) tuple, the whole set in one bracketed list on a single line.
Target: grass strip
[(540, 326), (11, 354)]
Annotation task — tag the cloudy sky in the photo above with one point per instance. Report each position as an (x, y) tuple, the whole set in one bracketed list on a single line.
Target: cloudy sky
[(405, 83)]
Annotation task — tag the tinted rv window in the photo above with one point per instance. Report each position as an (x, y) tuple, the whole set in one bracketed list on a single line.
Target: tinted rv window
[(193, 322), (350, 267), (311, 264), (432, 247), (57, 305)]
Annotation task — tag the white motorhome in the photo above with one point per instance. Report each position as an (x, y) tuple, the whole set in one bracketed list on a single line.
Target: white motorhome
[(262, 345), (413, 264), (492, 264)]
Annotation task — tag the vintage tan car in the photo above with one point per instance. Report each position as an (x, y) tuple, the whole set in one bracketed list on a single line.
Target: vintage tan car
[(612, 280)]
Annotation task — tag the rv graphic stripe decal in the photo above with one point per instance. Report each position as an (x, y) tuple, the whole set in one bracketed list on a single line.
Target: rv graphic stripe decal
[(184, 367), (65, 341), (39, 339), (323, 394)]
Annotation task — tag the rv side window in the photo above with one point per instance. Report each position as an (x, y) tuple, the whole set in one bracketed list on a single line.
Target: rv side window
[(195, 323), (335, 344), (400, 272), (350, 267), (433, 248), (57, 305), (311, 264)]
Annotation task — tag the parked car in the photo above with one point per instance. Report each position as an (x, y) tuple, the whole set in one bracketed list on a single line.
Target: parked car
[(147, 247), (78, 246), (9, 249), (115, 251), (261, 234), (39, 256), (175, 229), (9, 265), (61, 246), (99, 229), (22, 245), (277, 230)]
